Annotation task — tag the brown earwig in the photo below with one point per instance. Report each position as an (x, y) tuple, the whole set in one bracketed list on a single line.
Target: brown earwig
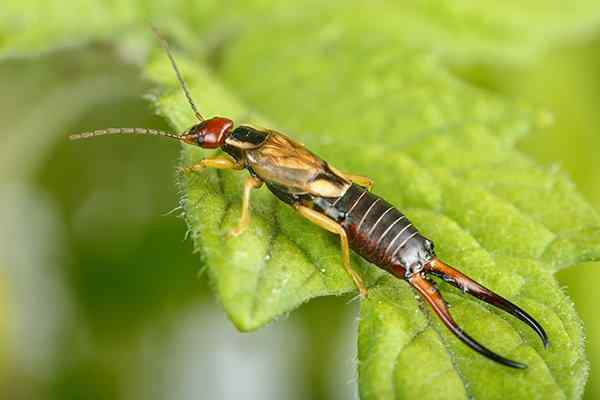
[(338, 202)]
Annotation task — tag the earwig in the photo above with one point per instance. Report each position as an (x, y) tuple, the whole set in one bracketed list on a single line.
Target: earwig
[(338, 202)]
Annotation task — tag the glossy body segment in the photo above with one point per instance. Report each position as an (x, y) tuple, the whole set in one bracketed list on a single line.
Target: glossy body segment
[(378, 231)]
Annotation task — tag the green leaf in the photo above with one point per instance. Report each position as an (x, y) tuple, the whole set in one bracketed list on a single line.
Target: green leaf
[(371, 90), (450, 149)]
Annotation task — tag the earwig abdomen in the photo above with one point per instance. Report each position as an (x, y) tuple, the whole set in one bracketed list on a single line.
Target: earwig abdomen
[(380, 233)]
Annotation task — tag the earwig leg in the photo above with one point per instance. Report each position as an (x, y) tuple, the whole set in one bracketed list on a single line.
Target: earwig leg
[(364, 181), (468, 285), (251, 183), (219, 162), (361, 180), (332, 226), (434, 298)]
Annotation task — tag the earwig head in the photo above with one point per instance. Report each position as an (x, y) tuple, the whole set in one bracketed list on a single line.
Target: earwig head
[(210, 133)]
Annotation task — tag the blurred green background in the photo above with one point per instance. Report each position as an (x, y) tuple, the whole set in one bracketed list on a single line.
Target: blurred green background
[(101, 292)]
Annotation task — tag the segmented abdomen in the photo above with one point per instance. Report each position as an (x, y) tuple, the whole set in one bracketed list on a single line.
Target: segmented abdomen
[(379, 232)]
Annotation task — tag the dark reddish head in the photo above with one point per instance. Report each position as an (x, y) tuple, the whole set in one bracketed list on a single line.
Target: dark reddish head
[(210, 133)]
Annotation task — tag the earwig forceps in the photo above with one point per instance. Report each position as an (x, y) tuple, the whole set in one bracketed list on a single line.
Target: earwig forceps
[(431, 294)]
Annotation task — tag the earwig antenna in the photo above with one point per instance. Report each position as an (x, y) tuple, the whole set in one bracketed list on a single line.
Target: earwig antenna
[(165, 45), (125, 131)]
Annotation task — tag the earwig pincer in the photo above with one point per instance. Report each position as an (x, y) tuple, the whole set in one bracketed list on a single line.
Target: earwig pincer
[(339, 202)]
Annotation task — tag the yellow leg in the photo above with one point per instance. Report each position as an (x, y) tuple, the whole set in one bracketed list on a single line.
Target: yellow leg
[(360, 180), (219, 162), (332, 226), (251, 183)]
